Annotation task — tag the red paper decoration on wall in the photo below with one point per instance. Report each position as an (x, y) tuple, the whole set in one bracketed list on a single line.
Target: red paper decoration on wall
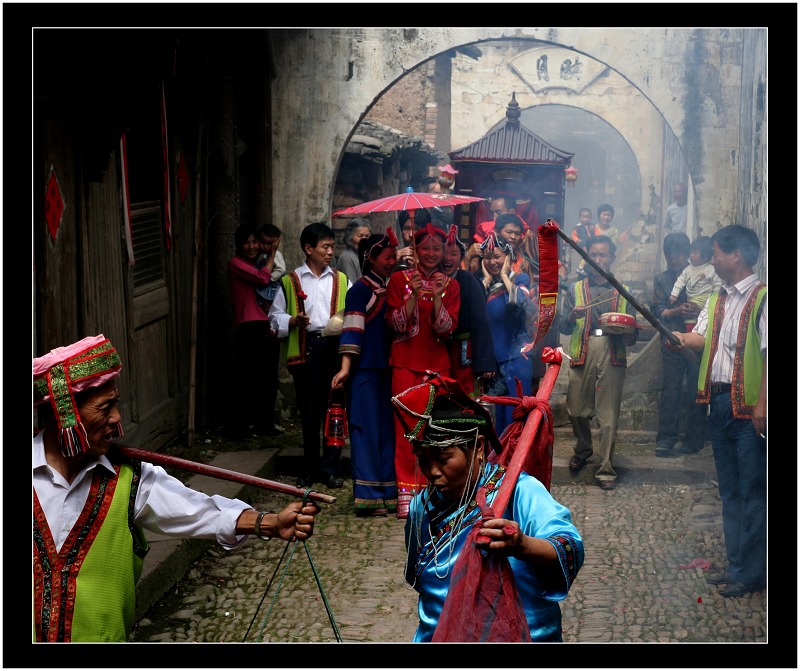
[(53, 204)]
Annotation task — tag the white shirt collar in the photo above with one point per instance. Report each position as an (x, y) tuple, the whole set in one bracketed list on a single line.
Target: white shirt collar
[(304, 269), (39, 458), (742, 286)]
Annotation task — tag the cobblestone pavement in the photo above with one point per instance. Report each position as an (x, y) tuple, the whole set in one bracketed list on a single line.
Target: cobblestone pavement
[(642, 580)]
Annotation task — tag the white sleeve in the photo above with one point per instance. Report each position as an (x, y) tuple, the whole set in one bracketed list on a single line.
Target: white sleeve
[(278, 318), (278, 266), (166, 506), (680, 283)]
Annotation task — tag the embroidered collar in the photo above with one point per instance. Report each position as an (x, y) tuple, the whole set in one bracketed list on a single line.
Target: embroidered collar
[(373, 278)]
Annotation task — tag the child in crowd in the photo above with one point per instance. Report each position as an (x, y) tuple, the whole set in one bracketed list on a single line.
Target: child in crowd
[(582, 233), (269, 239), (699, 278)]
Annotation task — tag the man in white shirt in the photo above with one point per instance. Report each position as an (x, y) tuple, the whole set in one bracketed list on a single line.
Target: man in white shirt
[(731, 333), (312, 295), (91, 504)]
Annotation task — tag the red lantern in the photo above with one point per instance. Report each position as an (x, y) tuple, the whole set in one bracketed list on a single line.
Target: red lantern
[(571, 175), (335, 423)]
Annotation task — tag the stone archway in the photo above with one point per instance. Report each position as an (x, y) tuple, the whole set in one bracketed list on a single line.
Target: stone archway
[(580, 105), (327, 79)]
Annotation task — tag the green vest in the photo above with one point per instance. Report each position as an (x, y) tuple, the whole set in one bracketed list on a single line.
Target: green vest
[(748, 368), (293, 346), (579, 340), (87, 592)]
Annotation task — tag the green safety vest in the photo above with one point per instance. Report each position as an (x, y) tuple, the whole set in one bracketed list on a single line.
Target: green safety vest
[(748, 364), (293, 347)]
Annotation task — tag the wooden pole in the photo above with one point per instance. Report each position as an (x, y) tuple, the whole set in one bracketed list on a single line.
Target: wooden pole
[(413, 240), (198, 247), (532, 423), (198, 233), (216, 472)]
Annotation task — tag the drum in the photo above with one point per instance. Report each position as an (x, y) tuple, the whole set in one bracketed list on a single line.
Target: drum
[(617, 323)]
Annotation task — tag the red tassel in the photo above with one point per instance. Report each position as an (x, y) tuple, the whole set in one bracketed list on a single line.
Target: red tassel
[(452, 235), (490, 243)]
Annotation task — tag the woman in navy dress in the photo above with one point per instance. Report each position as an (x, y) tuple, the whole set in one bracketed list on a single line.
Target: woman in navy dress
[(364, 346)]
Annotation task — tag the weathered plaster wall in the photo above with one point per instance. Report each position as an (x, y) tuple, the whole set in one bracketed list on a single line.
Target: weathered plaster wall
[(327, 79)]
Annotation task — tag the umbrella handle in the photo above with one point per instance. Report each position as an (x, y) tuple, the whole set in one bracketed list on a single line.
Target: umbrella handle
[(413, 240)]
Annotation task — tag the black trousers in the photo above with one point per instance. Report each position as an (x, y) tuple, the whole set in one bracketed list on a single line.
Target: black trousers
[(677, 408), (257, 357), (312, 386), (272, 358)]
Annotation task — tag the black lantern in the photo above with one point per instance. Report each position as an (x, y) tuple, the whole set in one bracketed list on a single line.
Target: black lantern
[(335, 422)]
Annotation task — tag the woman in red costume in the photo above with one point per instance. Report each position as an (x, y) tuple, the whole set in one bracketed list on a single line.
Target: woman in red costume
[(422, 312)]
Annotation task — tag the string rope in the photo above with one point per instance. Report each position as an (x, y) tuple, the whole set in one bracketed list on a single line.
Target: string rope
[(260, 637)]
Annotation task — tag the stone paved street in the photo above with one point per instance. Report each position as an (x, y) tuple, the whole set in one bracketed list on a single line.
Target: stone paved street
[(642, 581)]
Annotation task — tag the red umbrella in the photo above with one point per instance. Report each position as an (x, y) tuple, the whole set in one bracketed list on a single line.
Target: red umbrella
[(410, 201)]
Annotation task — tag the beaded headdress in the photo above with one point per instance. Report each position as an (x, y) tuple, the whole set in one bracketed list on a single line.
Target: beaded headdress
[(452, 240), (493, 241), (439, 411), (65, 371)]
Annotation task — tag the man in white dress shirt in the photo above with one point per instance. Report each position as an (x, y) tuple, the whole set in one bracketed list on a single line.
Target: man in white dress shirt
[(91, 504)]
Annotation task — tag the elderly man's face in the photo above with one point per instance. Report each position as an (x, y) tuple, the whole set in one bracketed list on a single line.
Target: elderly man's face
[(100, 416)]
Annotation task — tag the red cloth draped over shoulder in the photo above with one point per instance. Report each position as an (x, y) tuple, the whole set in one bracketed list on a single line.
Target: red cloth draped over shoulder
[(483, 603)]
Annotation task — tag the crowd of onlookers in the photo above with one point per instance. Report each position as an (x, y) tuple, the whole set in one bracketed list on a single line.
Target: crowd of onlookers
[(395, 305), (489, 315)]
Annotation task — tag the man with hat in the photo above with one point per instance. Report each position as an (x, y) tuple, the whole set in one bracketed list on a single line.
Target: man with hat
[(91, 505)]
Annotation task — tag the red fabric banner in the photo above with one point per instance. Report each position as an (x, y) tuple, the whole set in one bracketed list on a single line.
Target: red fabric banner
[(53, 204), (548, 278), (482, 604)]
